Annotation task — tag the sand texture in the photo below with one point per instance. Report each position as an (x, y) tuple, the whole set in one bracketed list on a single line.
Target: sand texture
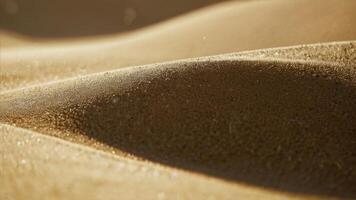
[(184, 108)]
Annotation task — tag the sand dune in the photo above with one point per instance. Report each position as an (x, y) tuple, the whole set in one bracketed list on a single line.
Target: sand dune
[(67, 18), (259, 119), (224, 28), (140, 115)]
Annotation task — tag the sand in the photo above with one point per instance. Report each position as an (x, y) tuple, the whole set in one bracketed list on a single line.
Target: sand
[(66, 18), (223, 28), (78, 121)]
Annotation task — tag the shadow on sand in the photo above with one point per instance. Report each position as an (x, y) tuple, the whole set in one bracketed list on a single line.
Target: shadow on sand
[(275, 125)]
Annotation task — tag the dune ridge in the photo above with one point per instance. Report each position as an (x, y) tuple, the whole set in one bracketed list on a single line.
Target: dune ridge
[(217, 103), (45, 19), (259, 118), (199, 33)]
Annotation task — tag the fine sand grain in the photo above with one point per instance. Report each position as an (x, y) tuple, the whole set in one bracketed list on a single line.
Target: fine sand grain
[(269, 112), (39, 167), (258, 118)]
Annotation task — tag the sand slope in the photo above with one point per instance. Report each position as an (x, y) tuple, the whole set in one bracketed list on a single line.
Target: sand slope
[(67, 18), (37, 167), (78, 121), (223, 28), (258, 118)]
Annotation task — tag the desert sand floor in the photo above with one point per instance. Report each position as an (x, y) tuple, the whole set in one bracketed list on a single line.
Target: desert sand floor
[(141, 115)]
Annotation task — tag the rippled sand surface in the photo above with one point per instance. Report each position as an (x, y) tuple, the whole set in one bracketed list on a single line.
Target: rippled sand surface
[(268, 112)]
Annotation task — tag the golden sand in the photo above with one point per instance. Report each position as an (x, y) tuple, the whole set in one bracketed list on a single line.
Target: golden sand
[(77, 121)]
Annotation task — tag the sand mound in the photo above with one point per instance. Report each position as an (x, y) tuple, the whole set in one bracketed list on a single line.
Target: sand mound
[(222, 28), (67, 18), (265, 124), (258, 117)]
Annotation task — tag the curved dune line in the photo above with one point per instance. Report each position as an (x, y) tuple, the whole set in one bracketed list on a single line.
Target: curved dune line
[(222, 28), (276, 123), (79, 18)]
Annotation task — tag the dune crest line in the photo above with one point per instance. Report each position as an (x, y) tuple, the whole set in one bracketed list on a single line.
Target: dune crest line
[(268, 121)]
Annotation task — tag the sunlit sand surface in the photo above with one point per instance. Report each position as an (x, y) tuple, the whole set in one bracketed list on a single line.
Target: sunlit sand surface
[(236, 100)]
